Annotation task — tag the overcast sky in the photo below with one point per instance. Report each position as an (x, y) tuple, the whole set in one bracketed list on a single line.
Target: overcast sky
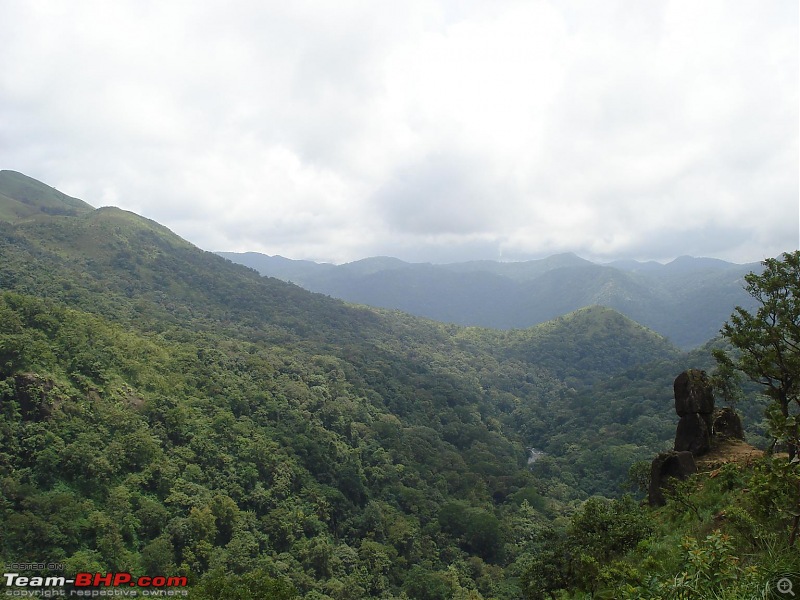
[(428, 130)]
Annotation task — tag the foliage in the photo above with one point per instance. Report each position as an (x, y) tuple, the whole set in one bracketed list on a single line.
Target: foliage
[(583, 556), (769, 354), (720, 539), (769, 340), (256, 585), (726, 380)]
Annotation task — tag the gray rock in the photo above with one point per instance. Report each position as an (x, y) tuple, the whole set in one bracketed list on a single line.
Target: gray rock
[(693, 393), (728, 424), (666, 466), (694, 403), (693, 434)]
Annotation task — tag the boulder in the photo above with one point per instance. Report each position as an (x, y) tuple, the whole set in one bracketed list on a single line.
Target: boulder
[(666, 466), (693, 393), (694, 403), (693, 434), (728, 424)]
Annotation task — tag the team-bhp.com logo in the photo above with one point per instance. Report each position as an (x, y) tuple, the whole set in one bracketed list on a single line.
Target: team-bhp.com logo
[(94, 584)]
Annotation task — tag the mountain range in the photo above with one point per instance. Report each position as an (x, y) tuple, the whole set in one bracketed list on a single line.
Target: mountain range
[(685, 300)]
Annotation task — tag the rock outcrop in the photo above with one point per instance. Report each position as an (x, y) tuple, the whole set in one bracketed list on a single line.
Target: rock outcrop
[(728, 424), (693, 434), (699, 424), (694, 403), (666, 466)]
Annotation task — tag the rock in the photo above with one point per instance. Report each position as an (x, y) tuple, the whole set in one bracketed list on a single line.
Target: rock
[(694, 403), (728, 424), (666, 466), (698, 424), (693, 434), (693, 393)]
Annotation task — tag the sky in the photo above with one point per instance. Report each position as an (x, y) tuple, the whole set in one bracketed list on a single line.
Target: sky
[(433, 131)]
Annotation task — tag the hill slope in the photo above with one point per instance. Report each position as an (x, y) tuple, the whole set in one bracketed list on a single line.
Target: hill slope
[(22, 197)]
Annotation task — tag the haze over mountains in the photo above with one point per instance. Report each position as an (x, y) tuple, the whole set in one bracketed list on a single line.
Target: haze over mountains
[(685, 300)]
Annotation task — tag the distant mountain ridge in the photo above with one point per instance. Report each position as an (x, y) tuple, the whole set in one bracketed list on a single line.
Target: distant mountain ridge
[(686, 300)]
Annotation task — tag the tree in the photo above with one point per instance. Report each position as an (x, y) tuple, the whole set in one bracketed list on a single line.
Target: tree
[(549, 570), (769, 340), (256, 585)]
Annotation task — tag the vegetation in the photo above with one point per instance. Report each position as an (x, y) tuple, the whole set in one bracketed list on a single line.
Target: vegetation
[(718, 537), (166, 412), (769, 354), (768, 342), (730, 531)]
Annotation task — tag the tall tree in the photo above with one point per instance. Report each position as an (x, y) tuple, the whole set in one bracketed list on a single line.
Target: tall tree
[(769, 340)]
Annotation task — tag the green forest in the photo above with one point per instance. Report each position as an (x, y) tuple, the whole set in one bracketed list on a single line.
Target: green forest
[(164, 411)]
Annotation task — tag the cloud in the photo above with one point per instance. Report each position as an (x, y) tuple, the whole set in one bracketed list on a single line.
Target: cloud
[(431, 130), (442, 193)]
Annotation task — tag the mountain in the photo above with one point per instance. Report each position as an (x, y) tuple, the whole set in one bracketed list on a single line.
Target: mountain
[(686, 300), (22, 197), (295, 271), (589, 345), (520, 271), (165, 411)]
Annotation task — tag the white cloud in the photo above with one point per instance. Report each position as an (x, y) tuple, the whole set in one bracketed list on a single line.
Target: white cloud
[(424, 129)]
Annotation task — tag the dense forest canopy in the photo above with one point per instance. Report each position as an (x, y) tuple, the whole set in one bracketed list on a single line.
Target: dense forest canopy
[(166, 412)]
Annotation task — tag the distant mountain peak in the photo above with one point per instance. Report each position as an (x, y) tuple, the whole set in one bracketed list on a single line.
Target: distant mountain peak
[(374, 264), (565, 255), (691, 263), (565, 259)]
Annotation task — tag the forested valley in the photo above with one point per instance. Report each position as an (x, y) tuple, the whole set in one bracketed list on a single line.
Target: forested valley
[(164, 411)]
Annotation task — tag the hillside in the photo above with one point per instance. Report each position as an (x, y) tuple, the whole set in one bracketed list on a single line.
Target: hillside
[(685, 300), (165, 411), (24, 198), (722, 534)]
